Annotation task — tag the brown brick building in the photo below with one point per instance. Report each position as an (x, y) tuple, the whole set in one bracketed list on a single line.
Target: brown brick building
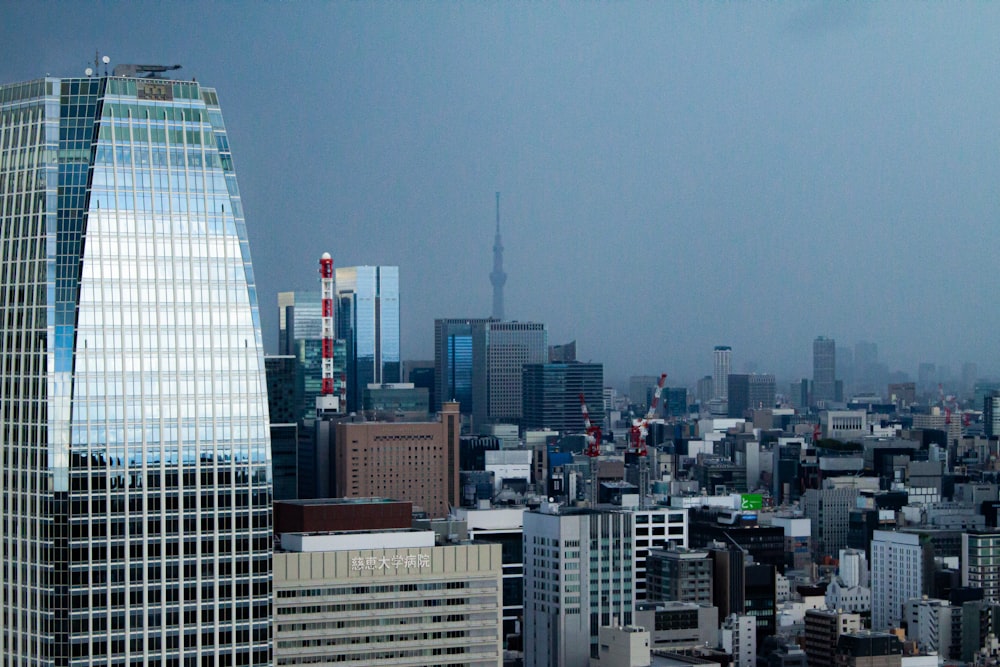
[(414, 461)]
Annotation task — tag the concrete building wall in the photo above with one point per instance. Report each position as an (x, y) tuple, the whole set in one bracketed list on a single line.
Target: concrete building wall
[(980, 566), (577, 578), (414, 461), (622, 647), (406, 606), (897, 576)]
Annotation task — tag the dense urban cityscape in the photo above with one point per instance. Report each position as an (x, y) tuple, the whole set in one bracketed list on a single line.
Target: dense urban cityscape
[(199, 469)]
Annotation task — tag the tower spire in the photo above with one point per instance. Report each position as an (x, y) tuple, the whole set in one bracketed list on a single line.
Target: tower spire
[(498, 277)]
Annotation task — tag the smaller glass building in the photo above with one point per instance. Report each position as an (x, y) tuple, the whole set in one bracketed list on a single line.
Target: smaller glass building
[(368, 320)]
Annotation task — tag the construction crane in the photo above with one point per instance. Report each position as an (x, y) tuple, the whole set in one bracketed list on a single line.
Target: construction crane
[(638, 435), (951, 406), (640, 427), (592, 430)]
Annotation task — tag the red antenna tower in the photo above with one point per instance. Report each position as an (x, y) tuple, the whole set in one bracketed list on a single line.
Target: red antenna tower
[(327, 400)]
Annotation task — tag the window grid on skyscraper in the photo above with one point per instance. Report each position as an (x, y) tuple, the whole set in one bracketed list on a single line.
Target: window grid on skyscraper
[(135, 484)]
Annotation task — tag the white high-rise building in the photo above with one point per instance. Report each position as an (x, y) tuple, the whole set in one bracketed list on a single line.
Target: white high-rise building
[(723, 358), (897, 576), (655, 528), (579, 575), (738, 637), (929, 623), (853, 567), (135, 483)]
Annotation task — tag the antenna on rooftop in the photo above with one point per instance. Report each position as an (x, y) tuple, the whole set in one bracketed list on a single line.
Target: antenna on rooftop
[(98, 60)]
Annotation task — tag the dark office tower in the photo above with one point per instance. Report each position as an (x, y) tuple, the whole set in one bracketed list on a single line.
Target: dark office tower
[(283, 400), (368, 321), (739, 395), (765, 544), (453, 362), (824, 370), (786, 488), (562, 354), (728, 578), (499, 352), (498, 278), (282, 388), (750, 392), (675, 402), (723, 365), (760, 599), (423, 378), (551, 395), (135, 479), (679, 574)]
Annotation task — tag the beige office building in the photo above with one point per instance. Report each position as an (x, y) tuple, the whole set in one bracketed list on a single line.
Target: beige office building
[(391, 597)]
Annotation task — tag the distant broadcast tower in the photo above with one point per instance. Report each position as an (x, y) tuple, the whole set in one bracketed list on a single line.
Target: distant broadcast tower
[(498, 277)]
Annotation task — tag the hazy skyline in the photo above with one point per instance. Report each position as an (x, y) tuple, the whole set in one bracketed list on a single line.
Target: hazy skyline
[(673, 176)]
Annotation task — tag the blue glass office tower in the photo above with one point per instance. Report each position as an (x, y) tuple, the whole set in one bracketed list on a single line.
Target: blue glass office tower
[(135, 490), (453, 362), (368, 320)]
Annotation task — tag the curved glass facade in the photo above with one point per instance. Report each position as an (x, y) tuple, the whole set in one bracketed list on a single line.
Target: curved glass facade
[(152, 535)]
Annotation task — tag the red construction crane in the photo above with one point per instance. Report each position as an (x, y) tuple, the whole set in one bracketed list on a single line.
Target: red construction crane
[(640, 427), (950, 406), (593, 431)]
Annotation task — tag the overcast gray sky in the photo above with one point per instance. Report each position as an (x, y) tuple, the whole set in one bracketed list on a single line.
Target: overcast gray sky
[(673, 175)]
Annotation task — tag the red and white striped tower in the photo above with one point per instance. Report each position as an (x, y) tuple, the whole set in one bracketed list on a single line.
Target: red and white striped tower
[(327, 400)]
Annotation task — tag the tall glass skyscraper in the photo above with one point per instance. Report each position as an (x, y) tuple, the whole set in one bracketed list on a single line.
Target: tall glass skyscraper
[(453, 362), (135, 489), (368, 320)]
